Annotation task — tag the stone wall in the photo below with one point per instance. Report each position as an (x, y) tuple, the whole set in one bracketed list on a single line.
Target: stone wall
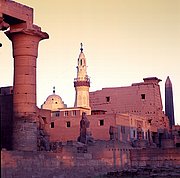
[(69, 163), (70, 160), (48, 165), (155, 157)]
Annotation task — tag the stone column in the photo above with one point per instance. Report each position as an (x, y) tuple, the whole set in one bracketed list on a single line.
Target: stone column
[(25, 51)]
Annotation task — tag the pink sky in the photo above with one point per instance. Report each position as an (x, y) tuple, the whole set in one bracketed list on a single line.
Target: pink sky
[(124, 42)]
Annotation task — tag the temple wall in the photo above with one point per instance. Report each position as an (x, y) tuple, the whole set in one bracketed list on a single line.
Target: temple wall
[(69, 163), (142, 99), (155, 157)]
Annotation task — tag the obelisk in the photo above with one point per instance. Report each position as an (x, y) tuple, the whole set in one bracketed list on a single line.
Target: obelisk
[(169, 105)]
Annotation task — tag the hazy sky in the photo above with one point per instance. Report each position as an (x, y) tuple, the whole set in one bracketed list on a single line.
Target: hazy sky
[(124, 42)]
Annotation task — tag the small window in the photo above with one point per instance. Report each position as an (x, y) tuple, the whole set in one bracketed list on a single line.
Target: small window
[(143, 96), (74, 113), (57, 114), (52, 124), (66, 113), (108, 99), (101, 122), (68, 124)]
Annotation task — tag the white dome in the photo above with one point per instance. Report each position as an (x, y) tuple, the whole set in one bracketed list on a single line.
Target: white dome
[(53, 102)]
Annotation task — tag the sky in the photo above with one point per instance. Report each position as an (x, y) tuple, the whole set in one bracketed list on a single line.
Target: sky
[(124, 41)]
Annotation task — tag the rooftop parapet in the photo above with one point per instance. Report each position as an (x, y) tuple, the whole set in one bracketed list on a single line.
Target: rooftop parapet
[(148, 80), (152, 79)]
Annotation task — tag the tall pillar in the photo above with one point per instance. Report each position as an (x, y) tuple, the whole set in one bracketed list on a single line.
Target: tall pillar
[(25, 51), (169, 104), (82, 82)]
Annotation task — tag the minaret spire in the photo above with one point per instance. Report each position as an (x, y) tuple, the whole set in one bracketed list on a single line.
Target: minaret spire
[(81, 47)]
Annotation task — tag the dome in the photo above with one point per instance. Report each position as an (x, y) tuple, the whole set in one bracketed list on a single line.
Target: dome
[(53, 102)]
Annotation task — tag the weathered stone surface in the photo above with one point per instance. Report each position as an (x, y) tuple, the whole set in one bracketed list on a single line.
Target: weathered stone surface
[(67, 164), (24, 134), (25, 37)]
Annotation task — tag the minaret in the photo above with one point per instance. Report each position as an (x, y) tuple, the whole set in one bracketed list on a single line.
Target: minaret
[(169, 106), (82, 82)]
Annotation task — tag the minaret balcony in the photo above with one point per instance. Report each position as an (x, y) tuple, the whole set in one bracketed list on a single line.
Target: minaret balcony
[(78, 82)]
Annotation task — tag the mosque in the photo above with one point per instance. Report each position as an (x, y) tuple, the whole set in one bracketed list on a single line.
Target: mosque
[(112, 129)]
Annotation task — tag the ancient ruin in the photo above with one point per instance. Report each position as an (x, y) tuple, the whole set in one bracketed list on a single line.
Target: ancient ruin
[(25, 38), (113, 131)]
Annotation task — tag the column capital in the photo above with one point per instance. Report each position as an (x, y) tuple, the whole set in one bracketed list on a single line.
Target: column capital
[(21, 29), (25, 40)]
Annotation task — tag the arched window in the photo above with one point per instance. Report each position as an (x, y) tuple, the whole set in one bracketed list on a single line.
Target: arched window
[(81, 61)]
